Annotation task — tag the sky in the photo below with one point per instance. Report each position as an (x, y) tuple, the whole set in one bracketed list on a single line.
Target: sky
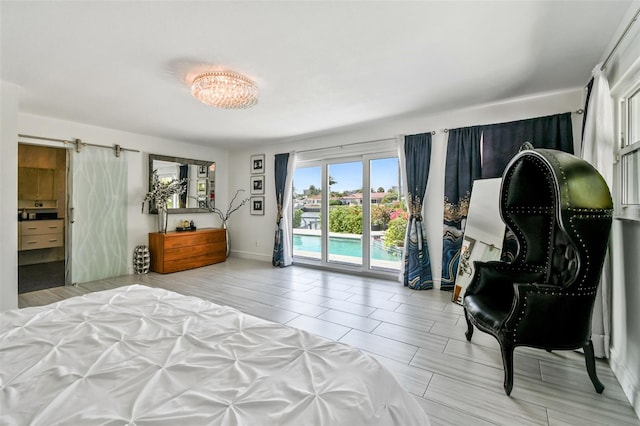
[(348, 176)]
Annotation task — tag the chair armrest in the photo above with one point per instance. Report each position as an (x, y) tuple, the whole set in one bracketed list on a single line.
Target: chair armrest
[(544, 315), (494, 275)]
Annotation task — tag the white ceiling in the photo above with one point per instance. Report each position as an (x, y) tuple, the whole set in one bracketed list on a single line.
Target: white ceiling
[(320, 66)]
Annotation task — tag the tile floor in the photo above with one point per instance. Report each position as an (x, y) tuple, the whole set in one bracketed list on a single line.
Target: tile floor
[(418, 335)]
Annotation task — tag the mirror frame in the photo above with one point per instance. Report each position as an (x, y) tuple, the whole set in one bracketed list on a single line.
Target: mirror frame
[(180, 160)]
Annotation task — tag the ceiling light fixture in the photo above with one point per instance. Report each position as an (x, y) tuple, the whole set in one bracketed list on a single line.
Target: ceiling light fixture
[(225, 89)]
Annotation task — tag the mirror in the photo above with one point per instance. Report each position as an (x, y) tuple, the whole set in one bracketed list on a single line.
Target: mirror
[(483, 232), (201, 188)]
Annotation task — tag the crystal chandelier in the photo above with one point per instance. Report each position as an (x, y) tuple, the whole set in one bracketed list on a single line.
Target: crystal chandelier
[(225, 89)]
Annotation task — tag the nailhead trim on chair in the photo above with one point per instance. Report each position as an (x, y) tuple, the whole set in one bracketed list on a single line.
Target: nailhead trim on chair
[(525, 209), (587, 262), (545, 292), (528, 268), (530, 209), (564, 180), (607, 214)]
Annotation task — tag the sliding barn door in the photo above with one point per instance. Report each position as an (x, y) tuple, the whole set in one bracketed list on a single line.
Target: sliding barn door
[(98, 217)]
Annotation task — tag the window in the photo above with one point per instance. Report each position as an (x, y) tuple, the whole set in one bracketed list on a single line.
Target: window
[(628, 156), (348, 212), (307, 205)]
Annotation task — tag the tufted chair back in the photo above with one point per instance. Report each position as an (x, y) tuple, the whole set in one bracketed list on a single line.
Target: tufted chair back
[(559, 208)]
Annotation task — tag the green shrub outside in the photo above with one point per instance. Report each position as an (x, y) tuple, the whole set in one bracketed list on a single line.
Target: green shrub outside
[(394, 237), (348, 220), (345, 219)]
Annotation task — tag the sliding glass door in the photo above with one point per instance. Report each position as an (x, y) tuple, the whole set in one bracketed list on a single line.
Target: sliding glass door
[(345, 213), (358, 222), (387, 214), (307, 206)]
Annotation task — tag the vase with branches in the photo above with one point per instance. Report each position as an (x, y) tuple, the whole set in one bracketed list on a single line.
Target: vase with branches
[(162, 190), (224, 216)]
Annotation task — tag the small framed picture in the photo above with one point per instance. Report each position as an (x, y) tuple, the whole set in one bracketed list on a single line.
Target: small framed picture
[(257, 205), (202, 171), (257, 164), (257, 185)]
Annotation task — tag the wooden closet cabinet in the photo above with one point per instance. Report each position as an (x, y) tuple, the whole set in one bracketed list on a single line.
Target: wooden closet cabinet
[(38, 234), (36, 184), (178, 251)]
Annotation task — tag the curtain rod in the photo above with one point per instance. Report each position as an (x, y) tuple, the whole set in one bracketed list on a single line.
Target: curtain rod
[(79, 144), (349, 144), (624, 34), (433, 132), (580, 111)]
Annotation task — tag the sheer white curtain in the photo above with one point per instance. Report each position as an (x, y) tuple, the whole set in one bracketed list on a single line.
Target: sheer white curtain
[(286, 209), (598, 149), (402, 160)]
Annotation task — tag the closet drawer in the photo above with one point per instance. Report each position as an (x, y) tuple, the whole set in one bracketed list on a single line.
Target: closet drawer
[(38, 227), (32, 242)]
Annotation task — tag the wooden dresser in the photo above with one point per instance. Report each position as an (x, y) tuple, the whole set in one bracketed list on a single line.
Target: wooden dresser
[(178, 251)]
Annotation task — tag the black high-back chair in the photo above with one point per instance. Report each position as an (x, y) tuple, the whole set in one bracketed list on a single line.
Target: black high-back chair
[(559, 208)]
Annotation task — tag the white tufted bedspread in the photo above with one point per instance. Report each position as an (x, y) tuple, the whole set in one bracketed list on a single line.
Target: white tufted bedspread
[(145, 356)]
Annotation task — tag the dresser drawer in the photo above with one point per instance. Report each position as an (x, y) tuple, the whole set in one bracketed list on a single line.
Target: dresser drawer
[(189, 239), (193, 251), (192, 262), (32, 242), (37, 227)]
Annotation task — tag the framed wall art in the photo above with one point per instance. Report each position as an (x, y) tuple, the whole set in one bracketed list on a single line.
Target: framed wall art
[(257, 164), (257, 205), (257, 185)]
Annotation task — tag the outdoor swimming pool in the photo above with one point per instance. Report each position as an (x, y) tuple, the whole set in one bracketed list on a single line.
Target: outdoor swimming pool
[(340, 246)]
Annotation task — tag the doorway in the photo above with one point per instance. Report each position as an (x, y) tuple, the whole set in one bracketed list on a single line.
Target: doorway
[(348, 213), (83, 189), (42, 195)]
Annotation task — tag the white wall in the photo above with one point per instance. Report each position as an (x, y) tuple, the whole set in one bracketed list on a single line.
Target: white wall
[(252, 236), (622, 71), (625, 315), (9, 204), (138, 224)]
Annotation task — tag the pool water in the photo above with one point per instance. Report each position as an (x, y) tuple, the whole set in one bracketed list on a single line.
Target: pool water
[(340, 246)]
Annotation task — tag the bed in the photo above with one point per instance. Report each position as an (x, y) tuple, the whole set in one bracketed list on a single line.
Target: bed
[(140, 355)]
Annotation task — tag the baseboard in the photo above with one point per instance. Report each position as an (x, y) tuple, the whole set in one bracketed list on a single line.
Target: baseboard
[(626, 378), (437, 283), (251, 256)]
